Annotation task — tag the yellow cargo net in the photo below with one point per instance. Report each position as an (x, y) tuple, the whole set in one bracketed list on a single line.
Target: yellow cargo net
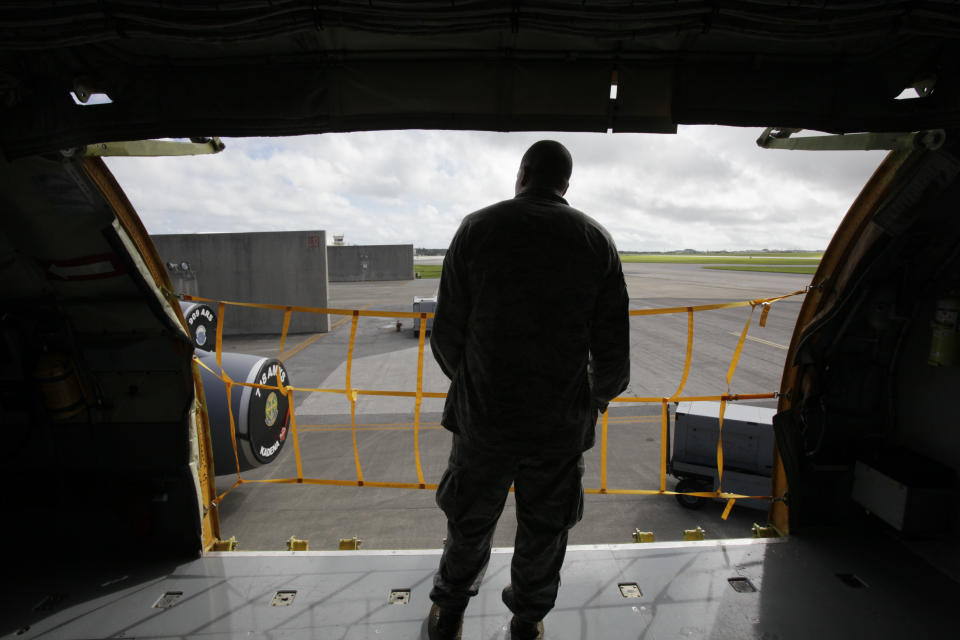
[(352, 394)]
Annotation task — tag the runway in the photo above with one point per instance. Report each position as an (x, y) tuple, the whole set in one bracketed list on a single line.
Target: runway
[(263, 517)]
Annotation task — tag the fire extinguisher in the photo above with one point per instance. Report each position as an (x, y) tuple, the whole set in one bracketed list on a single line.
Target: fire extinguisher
[(944, 337)]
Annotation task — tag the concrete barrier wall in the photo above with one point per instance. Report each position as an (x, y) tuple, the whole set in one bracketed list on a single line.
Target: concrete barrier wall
[(282, 267), (370, 262)]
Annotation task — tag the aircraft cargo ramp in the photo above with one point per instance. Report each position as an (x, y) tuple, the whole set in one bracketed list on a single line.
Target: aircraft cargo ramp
[(821, 585), (859, 380)]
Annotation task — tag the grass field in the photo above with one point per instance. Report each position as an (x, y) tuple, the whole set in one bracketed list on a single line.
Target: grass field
[(769, 268), (800, 262), (755, 259), (427, 270), (778, 254)]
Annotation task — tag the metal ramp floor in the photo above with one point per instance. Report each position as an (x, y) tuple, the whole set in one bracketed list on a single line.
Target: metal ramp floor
[(813, 587)]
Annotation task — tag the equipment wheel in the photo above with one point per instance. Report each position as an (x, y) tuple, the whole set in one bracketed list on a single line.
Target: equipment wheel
[(687, 485), (202, 322)]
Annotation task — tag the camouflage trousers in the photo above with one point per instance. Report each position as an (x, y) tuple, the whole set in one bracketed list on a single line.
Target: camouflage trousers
[(472, 494)]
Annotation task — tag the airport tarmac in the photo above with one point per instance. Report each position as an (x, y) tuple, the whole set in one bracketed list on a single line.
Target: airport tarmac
[(264, 516)]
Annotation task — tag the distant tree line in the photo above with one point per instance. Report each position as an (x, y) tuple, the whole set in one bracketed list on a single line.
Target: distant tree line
[(676, 252)]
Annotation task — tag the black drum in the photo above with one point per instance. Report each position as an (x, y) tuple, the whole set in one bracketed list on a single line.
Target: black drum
[(261, 416), (202, 322)]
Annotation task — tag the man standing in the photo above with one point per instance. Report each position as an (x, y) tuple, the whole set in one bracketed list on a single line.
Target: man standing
[(532, 329)]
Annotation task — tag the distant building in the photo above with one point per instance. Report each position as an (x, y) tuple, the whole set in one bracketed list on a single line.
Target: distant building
[(273, 267), (357, 263)]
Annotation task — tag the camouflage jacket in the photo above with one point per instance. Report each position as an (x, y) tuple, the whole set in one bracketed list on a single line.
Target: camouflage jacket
[(531, 326)]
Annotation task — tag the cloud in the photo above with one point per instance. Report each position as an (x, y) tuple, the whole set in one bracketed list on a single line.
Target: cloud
[(704, 188)]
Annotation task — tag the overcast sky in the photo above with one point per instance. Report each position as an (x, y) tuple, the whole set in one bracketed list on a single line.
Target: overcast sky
[(706, 188)]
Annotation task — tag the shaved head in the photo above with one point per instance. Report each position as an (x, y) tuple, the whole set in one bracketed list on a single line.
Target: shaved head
[(546, 165)]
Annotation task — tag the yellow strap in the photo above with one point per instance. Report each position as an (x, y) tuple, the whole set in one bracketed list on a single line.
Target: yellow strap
[(353, 337), (703, 307), (664, 430), (228, 383), (293, 432), (733, 397), (221, 311), (352, 395), (329, 311), (286, 327), (728, 508), (416, 409), (764, 314), (236, 484), (200, 362), (603, 451), (654, 492), (351, 392), (416, 314), (345, 483), (399, 394), (713, 307), (432, 487), (320, 390), (376, 427), (428, 426), (689, 355)]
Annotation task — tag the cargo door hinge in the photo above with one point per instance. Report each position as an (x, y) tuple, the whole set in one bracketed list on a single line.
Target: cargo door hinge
[(156, 148), (779, 138)]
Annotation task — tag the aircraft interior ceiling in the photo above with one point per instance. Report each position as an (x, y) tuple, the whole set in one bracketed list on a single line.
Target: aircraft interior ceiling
[(297, 67)]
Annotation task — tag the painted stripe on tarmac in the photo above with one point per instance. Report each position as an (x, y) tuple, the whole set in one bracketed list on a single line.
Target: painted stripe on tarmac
[(309, 341), (760, 340)]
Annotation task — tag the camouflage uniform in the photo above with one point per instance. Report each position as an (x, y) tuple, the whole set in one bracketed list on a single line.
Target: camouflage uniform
[(532, 329)]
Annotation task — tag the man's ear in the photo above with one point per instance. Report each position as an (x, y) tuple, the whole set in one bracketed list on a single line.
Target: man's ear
[(522, 179), (565, 187)]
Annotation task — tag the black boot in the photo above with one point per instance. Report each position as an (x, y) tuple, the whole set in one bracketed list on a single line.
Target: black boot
[(521, 629), (444, 624), (525, 630)]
